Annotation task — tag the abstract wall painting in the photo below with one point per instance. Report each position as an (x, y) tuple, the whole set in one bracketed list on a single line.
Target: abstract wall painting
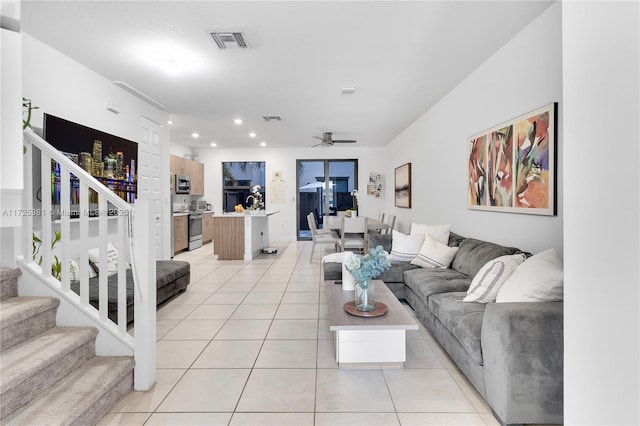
[(403, 186), (511, 167)]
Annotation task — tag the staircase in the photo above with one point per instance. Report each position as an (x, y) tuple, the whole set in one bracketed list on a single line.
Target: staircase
[(50, 375)]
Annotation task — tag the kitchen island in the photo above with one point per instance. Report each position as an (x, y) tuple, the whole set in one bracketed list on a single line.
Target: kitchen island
[(240, 236)]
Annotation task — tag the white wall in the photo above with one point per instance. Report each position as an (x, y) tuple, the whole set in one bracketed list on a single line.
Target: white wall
[(67, 89), (282, 226), (523, 75), (11, 182), (601, 66)]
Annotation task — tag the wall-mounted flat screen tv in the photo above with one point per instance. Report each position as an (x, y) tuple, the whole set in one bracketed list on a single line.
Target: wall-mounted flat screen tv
[(110, 159)]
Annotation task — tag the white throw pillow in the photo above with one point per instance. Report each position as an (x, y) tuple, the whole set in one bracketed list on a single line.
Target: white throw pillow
[(490, 278), (538, 279), (434, 254), (437, 232), (112, 259), (74, 270), (404, 248)]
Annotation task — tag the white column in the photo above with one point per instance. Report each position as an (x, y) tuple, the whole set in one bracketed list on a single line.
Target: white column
[(601, 57), (145, 294), (11, 157)]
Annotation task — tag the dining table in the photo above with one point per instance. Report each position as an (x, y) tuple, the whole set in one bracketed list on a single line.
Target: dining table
[(334, 222)]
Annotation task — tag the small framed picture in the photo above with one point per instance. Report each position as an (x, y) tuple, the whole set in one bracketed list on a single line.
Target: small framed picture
[(403, 186)]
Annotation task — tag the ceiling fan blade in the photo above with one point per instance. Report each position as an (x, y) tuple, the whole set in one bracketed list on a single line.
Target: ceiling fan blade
[(318, 137), (344, 141), (320, 144)]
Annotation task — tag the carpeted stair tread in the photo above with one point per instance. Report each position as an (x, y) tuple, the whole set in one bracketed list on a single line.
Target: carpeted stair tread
[(42, 351), (81, 398), (16, 309), (9, 282), (22, 318)]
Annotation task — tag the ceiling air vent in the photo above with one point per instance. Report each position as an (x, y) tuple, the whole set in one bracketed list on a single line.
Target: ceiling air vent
[(271, 118), (229, 39)]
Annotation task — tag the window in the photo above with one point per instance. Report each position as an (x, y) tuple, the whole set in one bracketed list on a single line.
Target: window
[(324, 188), (238, 178)]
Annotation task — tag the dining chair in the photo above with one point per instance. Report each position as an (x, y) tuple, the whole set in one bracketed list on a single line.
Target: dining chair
[(353, 234), (321, 231), (321, 239), (381, 219), (391, 221)]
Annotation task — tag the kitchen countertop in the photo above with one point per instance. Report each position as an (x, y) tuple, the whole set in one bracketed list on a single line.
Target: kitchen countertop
[(247, 213), (183, 213)]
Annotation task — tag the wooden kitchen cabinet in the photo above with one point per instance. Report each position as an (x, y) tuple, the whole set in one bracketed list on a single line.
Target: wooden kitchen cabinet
[(207, 228), (179, 165), (180, 233), (185, 167), (196, 172)]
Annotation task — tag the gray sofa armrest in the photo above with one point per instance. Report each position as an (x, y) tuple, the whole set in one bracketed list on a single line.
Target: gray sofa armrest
[(522, 351)]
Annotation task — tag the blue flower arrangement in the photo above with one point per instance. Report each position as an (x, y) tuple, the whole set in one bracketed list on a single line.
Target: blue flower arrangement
[(369, 266)]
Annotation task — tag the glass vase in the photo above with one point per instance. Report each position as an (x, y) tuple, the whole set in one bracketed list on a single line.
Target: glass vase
[(364, 296)]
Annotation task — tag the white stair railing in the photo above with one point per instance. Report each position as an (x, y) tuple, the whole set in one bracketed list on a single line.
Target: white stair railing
[(93, 228)]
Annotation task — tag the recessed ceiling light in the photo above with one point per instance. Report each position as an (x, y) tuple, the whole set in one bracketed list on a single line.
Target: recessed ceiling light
[(195, 135), (237, 121), (214, 144), (170, 122), (348, 90), (252, 134), (263, 144)]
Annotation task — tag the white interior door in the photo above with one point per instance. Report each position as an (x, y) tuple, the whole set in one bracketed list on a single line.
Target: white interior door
[(149, 177)]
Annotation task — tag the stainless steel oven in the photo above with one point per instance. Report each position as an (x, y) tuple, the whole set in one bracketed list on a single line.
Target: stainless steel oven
[(195, 230)]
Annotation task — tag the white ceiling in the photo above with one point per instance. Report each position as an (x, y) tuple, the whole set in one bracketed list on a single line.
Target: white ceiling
[(401, 57)]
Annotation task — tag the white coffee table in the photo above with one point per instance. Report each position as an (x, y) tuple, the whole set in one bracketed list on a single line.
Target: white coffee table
[(377, 342)]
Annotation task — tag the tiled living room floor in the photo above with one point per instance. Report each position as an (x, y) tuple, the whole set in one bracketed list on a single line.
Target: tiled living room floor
[(248, 343)]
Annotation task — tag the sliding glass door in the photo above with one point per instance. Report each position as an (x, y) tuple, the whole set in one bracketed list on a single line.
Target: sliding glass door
[(324, 188)]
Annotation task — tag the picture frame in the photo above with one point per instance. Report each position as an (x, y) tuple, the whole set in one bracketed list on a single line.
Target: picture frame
[(511, 167), (374, 186), (402, 186)]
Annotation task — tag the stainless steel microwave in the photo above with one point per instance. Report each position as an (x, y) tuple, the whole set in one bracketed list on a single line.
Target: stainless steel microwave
[(183, 184)]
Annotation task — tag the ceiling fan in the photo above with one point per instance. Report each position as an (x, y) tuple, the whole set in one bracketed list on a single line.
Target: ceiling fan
[(327, 140)]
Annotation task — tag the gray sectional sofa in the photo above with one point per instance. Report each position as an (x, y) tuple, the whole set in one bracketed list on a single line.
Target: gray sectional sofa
[(512, 353)]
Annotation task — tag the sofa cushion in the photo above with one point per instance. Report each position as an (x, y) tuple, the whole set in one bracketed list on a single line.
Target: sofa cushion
[(455, 239), (168, 270), (462, 319), (376, 240), (487, 282), (425, 282), (384, 240), (437, 232), (332, 271), (111, 267), (434, 254), (539, 279), (395, 274), (474, 254), (404, 248)]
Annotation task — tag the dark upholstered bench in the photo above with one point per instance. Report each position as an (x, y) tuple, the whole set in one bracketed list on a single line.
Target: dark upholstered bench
[(172, 277)]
